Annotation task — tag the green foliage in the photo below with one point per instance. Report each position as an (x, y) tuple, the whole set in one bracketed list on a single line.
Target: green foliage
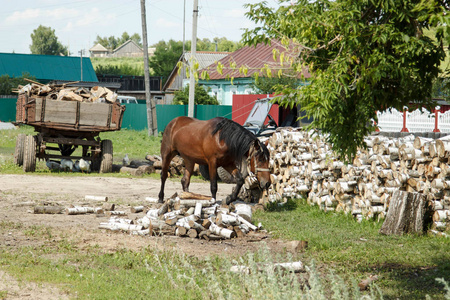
[(364, 56), (7, 84), (165, 58), (201, 96), (269, 85), (122, 69), (113, 42), (45, 42), (118, 65)]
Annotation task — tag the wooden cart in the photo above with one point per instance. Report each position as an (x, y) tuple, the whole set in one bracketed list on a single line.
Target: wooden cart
[(62, 126)]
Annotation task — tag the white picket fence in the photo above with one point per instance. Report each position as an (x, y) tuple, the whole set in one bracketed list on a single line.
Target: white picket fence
[(419, 120)]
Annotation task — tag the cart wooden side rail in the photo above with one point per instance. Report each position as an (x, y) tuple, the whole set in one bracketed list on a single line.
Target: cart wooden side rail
[(68, 124)]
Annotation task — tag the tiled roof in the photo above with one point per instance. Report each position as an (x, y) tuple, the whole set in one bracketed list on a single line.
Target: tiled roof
[(254, 58), (206, 58)]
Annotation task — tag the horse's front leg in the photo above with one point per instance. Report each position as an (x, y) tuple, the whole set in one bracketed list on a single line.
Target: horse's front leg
[(188, 169), (212, 167), (166, 159), (239, 183)]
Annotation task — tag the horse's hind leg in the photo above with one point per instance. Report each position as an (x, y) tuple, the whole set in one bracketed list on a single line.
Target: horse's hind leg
[(188, 170), (212, 167), (166, 159)]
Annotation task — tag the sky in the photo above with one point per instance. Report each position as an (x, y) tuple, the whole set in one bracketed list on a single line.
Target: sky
[(77, 23)]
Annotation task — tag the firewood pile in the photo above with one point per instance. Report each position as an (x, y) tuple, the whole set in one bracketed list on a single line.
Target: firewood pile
[(192, 215), (63, 92), (303, 164)]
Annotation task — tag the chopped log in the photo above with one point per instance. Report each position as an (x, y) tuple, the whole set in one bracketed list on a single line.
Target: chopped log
[(296, 246), (136, 209), (222, 231), (132, 171), (189, 195), (192, 233), (288, 267), (180, 231), (79, 210), (364, 284), (405, 215), (49, 209), (146, 169), (244, 211), (95, 198), (116, 213)]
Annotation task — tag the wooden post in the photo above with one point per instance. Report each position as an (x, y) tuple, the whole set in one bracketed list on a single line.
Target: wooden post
[(405, 111), (405, 215), (436, 119)]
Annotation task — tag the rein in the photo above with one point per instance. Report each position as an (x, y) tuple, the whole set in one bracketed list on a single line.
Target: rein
[(257, 169)]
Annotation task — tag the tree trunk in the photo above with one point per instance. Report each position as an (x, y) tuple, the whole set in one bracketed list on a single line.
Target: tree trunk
[(405, 215)]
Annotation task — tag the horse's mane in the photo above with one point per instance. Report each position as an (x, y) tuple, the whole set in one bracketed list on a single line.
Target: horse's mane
[(237, 138)]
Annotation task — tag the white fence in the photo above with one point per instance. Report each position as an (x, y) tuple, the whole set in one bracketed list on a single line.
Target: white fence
[(419, 120)]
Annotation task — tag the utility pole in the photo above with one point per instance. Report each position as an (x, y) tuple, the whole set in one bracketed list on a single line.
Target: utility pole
[(193, 59), (151, 108), (81, 63)]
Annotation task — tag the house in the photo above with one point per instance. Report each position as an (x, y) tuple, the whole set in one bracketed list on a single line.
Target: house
[(46, 68), (177, 80), (254, 59), (99, 51), (128, 49)]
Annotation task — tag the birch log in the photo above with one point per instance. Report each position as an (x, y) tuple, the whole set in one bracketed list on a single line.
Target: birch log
[(405, 215)]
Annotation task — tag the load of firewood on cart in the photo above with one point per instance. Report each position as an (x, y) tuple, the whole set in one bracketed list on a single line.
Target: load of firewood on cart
[(64, 92)]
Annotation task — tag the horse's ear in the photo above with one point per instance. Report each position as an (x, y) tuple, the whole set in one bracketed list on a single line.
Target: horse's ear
[(266, 143), (256, 145)]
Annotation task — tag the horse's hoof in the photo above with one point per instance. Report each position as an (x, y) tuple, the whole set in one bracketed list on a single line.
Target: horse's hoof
[(228, 200), (160, 201)]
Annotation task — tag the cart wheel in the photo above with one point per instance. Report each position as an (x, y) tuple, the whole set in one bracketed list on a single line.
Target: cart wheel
[(29, 154), (225, 176), (18, 153), (107, 156)]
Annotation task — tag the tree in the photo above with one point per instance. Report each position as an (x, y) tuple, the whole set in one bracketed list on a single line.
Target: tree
[(113, 42), (269, 85), (44, 41), (165, 58), (8, 84), (363, 55), (201, 96)]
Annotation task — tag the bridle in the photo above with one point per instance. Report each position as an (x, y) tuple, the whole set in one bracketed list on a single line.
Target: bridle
[(257, 169)]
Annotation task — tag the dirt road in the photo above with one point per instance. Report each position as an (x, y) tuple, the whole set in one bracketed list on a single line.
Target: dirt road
[(20, 193)]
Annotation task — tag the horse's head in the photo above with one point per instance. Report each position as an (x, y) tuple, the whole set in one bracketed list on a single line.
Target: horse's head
[(259, 163)]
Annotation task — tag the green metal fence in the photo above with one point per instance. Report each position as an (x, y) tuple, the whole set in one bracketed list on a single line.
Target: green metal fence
[(135, 116), (8, 109)]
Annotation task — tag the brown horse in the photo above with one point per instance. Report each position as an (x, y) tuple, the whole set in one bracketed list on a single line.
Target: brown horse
[(218, 142)]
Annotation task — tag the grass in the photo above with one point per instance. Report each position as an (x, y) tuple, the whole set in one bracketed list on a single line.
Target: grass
[(124, 274), (407, 265), (137, 144), (340, 253)]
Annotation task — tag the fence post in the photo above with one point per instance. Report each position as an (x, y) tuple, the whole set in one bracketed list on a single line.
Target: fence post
[(404, 129), (436, 119), (377, 129)]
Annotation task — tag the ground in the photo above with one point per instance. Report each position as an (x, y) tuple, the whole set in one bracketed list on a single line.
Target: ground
[(20, 193)]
